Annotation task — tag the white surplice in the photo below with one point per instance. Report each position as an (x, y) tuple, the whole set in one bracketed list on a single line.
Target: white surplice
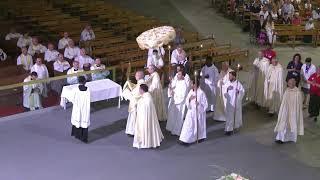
[(209, 85), (63, 43), (81, 108), (73, 79), (186, 80), (233, 105), (61, 66), (273, 88), (84, 60), (51, 55), (26, 61), (43, 73), (39, 48), (71, 53), (261, 67), (3, 55), (156, 61), (133, 96), (147, 129), (87, 35), (102, 74), (155, 89), (290, 117), (10, 36), (219, 113), (31, 95), (176, 107), (305, 75), (161, 51), (177, 57), (24, 42), (194, 126)]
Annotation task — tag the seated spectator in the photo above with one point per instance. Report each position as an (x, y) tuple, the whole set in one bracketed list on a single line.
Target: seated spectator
[(71, 51), (3, 55), (84, 60), (25, 59), (286, 19), (308, 9), (24, 41), (13, 35), (179, 56), (294, 68), (296, 20), (274, 13), (36, 48), (43, 73), (296, 5), (51, 55), (63, 42), (308, 27), (102, 72), (155, 60), (61, 65), (287, 8), (316, 14)]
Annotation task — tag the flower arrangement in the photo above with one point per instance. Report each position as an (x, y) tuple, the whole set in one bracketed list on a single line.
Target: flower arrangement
[(232, 176)]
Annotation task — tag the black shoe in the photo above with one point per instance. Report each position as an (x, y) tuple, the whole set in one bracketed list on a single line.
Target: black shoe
[(201, 140), (279, 142), (228, 133), (129, 135), (183, 143)]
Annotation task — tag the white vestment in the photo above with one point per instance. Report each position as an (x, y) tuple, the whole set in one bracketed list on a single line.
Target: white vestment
[(71, 53), (102, 74), (155, 89), (12, 36), (219, 113), (24, 42), (290, 117), (209, 85), (261, 67), (233, 105), (39, 48), (43, 73), (186, 80), (26, 61), (147, 129), (84, 60), (156, 61), (61, 66), (273, 88), (133, 96), (51, 55), (31, 95), (176, 107), (161, 51), (305, 75), (63, 43), (194, 126), (177, 57), (87, 35), (3, 55), (73, 79), (81, 108)]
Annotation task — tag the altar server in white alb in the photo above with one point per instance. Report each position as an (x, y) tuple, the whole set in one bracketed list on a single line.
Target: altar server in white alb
[(131, 92), (177, 93), (155, 59), (160, 51), (73, 70), (13, 35), (3, 55), (25, 59), (101, 68), (32, 93), (307, 70), (147, 129), (80, 118), (261, 66), (186, 78), (43, 73), (35, 47), (84, 60), (63, 42), (219, 114), (24, 41), (273, 87), (290, 117), (155, 89), (234, 96), (208, 82), (194, 126)]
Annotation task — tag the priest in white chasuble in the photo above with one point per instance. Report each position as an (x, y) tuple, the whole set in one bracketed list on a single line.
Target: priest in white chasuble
[(73, 70), (80, 117), (290, 117), (32, 93), (43, 73), (156, 91), (261, 66), (25, 59), (208, 82), (194, 126), (219, 114), (177, 93), (273, 87), (234, 96), (131, 93), (147, 129)]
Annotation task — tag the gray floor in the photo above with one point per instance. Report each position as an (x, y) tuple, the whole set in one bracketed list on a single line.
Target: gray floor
[(37, 146)]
